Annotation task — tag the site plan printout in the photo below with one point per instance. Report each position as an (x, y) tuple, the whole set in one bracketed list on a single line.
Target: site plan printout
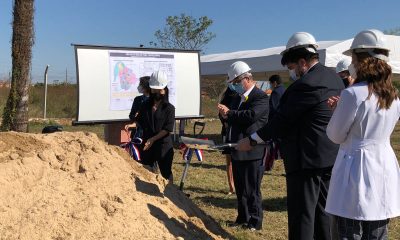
[(126, 68)]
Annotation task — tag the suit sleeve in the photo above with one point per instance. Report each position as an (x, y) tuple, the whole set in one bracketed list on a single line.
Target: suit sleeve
[(343, 118), (169, 119), (225, 101), (300, 99), (135, 108), (274, 100), (258, 107), (139, 118)]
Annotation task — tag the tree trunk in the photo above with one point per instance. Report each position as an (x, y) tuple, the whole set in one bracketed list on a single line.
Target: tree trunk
[(15, 116)]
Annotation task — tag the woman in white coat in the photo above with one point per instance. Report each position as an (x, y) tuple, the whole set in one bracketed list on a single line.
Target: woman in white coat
[(364, 191)]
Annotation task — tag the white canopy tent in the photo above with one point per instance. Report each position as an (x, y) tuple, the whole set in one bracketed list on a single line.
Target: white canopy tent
[(268, 61)]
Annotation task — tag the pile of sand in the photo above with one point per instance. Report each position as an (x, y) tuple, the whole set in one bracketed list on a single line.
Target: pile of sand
[(74, 186)]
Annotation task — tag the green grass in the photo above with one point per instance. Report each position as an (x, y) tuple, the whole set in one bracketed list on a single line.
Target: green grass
[(207, 185), (61, 101)]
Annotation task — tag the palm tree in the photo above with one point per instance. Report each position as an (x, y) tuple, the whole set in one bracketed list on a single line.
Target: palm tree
[(15, 116)]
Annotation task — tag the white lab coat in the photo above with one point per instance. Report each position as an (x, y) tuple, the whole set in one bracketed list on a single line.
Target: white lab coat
[(365, 182)]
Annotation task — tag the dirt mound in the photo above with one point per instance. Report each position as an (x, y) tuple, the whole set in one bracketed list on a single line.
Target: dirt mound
[(74, 186)]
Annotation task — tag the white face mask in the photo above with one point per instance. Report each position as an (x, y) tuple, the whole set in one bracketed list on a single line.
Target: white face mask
[(292, 74), (352, 71)]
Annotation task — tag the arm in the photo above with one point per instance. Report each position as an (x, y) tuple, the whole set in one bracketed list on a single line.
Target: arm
[(258, 107), (132, 125), (300, 99), (134, 109), (342, 118), (166, 128), (274, 100)]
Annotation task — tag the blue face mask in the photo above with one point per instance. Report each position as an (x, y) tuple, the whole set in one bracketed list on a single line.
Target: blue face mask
[(237, 87)]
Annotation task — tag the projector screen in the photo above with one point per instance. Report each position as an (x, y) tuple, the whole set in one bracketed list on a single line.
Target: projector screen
[(108, 78)]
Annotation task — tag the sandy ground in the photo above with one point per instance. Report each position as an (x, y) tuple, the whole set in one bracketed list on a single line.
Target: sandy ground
[(74, 186)]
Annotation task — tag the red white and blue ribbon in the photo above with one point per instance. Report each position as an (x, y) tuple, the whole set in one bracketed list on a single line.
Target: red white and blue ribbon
[(199, 154), (132, 148), (187, 153)]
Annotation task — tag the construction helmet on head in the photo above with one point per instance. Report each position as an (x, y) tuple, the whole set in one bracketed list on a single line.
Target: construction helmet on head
[(237, 69), (367, 41), (301, 40), (343, 65), (158, 80)]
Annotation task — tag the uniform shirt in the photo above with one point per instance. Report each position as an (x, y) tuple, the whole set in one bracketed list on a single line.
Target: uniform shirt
[(365, 182)]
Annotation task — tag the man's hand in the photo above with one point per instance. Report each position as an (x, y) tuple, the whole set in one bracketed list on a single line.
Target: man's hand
[(223, 110), (332, 102), (148, 144), (244, 145)]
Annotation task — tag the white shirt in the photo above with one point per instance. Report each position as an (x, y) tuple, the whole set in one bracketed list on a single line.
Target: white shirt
[(365, 182), (245, 95)]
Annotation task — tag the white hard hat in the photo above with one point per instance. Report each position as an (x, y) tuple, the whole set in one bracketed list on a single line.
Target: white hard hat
[(158, 80), (343, 65), (237, 69), (299, 40), (368, 40)]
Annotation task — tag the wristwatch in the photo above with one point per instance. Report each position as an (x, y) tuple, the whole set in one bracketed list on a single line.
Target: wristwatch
[(252, 142)]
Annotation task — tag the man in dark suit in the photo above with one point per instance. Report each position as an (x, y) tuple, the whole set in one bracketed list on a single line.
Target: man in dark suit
[(300, 123), (277, 91), (250, 113)]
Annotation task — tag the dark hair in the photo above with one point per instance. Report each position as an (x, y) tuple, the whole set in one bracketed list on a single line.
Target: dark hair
[(144, 81), (275, 78), (294, 55), (378, 74)]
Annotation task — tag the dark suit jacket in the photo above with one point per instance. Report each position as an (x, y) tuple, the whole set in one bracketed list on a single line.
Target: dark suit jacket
[(152, 123), (251, 116), (137, 102), (302, 118), (274, 100), (228, 99)]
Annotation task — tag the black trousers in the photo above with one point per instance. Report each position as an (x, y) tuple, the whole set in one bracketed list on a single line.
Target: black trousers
[(247, 176), (306, 198), (164, 161), (350, 229)]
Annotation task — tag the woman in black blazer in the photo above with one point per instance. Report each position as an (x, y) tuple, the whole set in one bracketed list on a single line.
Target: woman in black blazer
[(144, 89), (156, 117)]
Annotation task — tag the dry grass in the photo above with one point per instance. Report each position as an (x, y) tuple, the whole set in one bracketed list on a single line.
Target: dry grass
[(207, 185), (61, 101)]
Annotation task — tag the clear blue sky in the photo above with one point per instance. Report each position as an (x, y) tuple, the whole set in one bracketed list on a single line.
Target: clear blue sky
[(239, 25)]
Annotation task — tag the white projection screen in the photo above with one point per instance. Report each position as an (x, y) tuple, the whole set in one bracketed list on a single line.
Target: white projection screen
[(108, 78)]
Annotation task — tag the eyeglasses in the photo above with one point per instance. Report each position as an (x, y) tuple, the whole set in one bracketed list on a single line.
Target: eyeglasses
[(239, 80)]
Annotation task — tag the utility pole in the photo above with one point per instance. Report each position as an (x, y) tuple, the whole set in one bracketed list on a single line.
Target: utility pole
[(45, 91), (66, 75)]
